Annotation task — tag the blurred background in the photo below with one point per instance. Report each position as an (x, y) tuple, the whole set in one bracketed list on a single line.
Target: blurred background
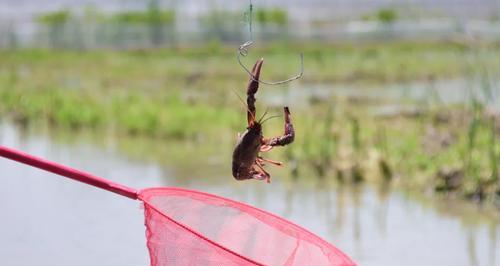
[(396, 159)]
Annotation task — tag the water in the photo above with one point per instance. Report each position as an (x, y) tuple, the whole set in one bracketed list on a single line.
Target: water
[(396, 98), (50, 220)]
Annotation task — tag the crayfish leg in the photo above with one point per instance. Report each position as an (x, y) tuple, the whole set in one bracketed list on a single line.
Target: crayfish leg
[(262, 160), (287, 137), (263, 172)]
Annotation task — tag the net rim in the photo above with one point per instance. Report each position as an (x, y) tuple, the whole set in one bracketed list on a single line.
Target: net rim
[(296, 227), (145, 201)]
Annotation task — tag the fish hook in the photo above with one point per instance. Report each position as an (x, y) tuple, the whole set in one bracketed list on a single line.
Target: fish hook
[(243, 51)]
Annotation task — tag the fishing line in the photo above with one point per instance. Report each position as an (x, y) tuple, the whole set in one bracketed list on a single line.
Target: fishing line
[(243, 52)]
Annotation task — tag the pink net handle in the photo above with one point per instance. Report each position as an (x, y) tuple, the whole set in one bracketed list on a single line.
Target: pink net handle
[(68, 172)]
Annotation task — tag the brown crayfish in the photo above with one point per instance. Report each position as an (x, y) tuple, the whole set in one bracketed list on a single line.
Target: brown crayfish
[(247, 163)]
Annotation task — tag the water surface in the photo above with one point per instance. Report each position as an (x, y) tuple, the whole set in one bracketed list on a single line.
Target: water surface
[(50, 220)]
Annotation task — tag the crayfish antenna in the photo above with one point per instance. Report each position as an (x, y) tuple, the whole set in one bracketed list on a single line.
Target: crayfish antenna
[(243, 102), (265, 113), (271, 117)]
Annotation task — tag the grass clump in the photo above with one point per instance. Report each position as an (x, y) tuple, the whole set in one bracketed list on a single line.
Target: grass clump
[(55, 18), (274, 16)]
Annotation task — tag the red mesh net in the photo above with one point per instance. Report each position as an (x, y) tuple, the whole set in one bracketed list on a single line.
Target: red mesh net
[(186, 227)]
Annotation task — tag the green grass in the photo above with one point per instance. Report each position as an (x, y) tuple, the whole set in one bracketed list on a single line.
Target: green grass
[(271, 16), (55, 18), (166, 17), (187, 93), (216, 66), (75, 89), (134, 113)]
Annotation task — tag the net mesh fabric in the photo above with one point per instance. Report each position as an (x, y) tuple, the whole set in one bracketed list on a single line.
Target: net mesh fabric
[(186, 227)]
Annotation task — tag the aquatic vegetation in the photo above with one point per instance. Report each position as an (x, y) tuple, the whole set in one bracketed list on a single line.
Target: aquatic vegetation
[(55, 18), (271, 16), (140, 17), (56, 22), (134, 114), (381, 145), (185, 94), (387, 15)]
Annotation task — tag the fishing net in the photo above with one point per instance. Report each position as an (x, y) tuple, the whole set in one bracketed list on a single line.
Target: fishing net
[(186, 227)]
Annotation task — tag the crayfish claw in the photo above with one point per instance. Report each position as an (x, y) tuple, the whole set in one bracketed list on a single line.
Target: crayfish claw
[(253, 86), (289, 134), (253, 83)]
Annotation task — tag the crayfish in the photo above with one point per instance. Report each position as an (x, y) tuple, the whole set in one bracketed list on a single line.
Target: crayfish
[(247, 163)]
